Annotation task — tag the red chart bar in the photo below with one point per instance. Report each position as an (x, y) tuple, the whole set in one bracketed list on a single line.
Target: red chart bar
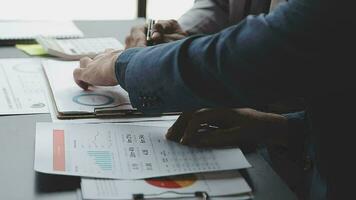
[(58, 150)]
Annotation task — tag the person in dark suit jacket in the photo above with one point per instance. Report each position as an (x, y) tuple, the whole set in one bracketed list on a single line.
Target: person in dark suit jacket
[(300, 49)]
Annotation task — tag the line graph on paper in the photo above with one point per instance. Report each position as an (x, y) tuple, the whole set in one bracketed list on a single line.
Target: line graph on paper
[(97, 141), (90, 153), (22, 87)]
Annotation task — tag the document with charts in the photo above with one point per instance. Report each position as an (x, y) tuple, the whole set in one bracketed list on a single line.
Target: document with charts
[(22, 87), (71, 101), (216, 184), (123, 152)]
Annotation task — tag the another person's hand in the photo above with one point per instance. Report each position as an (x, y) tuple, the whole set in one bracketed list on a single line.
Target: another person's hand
[(163, 31), (237, 127), (137, 37), (99, 71), (167, 31)]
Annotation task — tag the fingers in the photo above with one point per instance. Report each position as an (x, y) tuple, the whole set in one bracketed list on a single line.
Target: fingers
[(105, 53), (188, 129), (219, 138), (85, 61), (195, 135), (233, 137), (110, 50), (167, 26), (157, 27), (78, 74), (137, 37), (157, 33), (157, 37), (98, 56), (186, 125), (172, 37), (176, 132), (167, 31), (102, 54), (203, 116)]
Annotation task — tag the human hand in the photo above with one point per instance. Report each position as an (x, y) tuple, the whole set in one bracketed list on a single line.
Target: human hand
[(137, 37), (243, 127), (99, 71), (167, 31), (163, 31)]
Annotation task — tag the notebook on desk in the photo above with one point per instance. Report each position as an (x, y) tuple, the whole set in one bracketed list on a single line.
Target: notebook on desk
[(13, 31), (73, 102)]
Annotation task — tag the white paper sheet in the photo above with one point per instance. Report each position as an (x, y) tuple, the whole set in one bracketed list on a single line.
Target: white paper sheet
[(228, 183), (123, 152), (22, 87)]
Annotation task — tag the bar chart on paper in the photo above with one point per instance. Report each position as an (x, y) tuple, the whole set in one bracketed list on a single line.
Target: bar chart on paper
[(102, 159), (123, 152), (90, 154)]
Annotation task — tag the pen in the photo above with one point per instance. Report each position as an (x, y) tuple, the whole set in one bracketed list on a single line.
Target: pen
[(207, 127), (150, 24), (204, 128)]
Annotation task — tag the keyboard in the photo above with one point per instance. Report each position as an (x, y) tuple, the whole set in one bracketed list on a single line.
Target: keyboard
[(74, 49)]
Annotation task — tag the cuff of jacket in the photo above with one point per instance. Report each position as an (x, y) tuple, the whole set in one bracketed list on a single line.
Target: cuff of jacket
[(297, 134), (121, 65), (296, 120)]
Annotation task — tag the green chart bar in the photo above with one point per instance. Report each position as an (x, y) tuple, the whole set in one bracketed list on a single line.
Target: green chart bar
[(103, 159)]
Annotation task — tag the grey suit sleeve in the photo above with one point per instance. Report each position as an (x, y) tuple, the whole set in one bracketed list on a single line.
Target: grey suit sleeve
[(206, 16)]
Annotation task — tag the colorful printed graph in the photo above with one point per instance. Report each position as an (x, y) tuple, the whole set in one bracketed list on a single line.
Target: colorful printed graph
[(103, 159), (173, 183), (93, 99)]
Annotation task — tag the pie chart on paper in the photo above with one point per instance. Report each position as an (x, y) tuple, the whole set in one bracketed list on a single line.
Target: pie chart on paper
[(172, 183), (93, 99)]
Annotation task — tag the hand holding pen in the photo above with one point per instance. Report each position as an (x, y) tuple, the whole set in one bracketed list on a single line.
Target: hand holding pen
[(163, 31), (154, 32), (149, 33), (227, 127)]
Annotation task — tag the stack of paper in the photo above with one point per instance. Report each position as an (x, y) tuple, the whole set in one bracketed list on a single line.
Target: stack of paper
[(123, 152), (132, 152), (28, 30), (23, 87), (215, 184)]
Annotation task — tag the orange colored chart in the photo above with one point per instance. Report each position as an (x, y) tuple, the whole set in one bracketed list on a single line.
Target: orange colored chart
[(173, 183)]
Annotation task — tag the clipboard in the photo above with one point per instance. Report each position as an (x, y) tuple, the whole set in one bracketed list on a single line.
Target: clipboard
[(72, 102), (103, 112), (198, 194)]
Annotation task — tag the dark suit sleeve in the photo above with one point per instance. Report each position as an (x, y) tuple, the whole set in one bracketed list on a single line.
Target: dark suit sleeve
[(261, 59)]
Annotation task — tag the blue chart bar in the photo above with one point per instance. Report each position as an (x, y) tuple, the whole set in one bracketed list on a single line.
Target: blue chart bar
[(102, 158)]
